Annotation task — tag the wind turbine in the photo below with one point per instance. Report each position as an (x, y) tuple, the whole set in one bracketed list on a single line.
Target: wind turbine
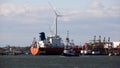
[(56, 18)]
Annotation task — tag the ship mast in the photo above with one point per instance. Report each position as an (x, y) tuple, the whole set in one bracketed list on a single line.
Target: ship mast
[(67, 38)]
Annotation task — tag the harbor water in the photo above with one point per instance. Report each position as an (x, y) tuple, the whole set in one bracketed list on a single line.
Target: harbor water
[(50, 61)]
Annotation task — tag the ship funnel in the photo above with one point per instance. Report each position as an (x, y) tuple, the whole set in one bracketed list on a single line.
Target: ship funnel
[(94, 38), (42, 36), (99, 38), (108, 39), (104, 39)]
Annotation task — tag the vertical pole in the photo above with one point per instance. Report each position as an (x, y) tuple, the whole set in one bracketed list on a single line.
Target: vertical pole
[(99, 38), (104, 39), (108, 39), (56, 25), (94, 39)]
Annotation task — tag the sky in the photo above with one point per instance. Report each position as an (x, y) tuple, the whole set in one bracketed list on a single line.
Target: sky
[(22, 20)]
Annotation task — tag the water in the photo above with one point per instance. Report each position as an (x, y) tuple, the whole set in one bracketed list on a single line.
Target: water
[(59, 62)]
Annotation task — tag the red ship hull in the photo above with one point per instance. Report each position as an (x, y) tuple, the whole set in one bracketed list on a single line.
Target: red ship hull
[(47, 51), (54, 51)]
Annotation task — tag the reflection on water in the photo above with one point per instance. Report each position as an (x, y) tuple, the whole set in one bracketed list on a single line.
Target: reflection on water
[(59, 62)]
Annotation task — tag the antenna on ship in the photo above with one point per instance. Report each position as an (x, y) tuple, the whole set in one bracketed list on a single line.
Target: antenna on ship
[(51, 32), (99, 38), (104, 40), (67, 38), (56, 17), (108, 39), (94, 39)]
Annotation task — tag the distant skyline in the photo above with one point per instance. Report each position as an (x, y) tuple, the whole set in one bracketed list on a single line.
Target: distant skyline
[(22, 20)]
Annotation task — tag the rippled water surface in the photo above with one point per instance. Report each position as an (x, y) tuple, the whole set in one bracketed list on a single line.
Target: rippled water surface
[(59, 62)]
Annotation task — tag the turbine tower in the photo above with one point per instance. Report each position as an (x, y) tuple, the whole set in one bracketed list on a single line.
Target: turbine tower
[(56, 18)]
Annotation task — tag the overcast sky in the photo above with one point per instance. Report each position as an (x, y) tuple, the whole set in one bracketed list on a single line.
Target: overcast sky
[(21, 20)]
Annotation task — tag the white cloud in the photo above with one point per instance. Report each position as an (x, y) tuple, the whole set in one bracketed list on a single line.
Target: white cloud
[(96, 5), (28, 13), (11, 9), (95, 9), (113, 11), (7, 9), (23, 13)]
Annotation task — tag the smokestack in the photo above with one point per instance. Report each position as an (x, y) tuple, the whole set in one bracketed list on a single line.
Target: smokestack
[(94, 38), (104, 39), (42, 36), (99, 38), (108, 39)]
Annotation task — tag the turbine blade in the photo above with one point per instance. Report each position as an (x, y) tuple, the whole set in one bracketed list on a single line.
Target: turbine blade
[(52, 8)]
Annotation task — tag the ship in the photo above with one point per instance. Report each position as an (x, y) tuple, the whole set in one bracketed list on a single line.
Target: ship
[(70, 49), (53, 45), (50, 45), (99, 47)]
